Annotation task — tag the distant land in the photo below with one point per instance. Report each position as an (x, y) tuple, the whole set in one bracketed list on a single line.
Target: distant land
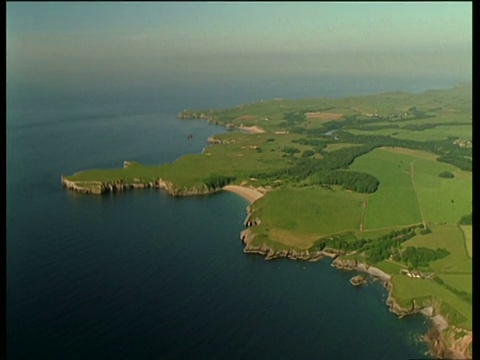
[(382, 184)]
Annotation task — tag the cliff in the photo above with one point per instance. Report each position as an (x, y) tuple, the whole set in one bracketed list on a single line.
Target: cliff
[(98, 187), (444, 341)]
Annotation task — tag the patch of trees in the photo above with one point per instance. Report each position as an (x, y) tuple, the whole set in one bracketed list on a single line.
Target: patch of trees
[(425, 126), (421, 256), (339, 243), (290, 150), (308, 153), (294, 118), (446, 174), (302, 168), (318, 144), (417, 114), (214, 182), (425, 231), (448, 151), (459, 161), (388, 245), (466, 220), (350, 180), (378, 127), (350, 121), (377, 249)]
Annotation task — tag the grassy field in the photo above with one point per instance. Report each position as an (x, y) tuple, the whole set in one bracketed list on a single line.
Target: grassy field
[(447, 236), (299, 216), (390, 267), (395, 203), (456, 193), (467, 233), (393, 168), (462, 282)]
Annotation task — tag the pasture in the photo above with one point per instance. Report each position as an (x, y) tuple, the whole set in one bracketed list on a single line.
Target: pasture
[(467, 233), (299, 216), (450, 237), (395, 202)]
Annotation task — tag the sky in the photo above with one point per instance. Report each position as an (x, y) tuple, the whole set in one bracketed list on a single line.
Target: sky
[(128, 42)]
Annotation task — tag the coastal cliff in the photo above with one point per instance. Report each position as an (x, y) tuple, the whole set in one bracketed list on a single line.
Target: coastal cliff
[(444, 341), (98, 187)]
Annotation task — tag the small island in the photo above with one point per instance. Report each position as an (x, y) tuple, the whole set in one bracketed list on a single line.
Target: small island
[(381, 184), (358, 280)]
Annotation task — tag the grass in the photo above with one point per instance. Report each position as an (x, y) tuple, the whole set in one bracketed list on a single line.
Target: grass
[(447, 236), (456, 193), (461, 282), (299, 216), (467, 233), (393, 168), (390, 267), (395, 202)]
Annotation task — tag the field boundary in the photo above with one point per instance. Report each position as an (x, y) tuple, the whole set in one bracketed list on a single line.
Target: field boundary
[(420, 206), (364, 213)]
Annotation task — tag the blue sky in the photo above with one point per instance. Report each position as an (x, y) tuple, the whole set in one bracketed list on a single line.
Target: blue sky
[(132, 41)]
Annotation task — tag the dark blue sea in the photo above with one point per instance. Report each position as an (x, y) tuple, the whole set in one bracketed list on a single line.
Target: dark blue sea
[(141, 275)]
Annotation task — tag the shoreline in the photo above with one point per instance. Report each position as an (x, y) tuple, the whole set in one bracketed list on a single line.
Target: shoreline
[(439, 339)]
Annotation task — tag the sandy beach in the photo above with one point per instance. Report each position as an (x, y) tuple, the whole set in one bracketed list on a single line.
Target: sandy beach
[(252, 129), (250, 194)]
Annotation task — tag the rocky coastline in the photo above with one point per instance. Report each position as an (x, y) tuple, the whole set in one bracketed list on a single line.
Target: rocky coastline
[(441, 339), (98, 187)]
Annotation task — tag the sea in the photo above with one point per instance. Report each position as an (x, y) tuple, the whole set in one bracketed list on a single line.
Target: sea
[(142, 275)]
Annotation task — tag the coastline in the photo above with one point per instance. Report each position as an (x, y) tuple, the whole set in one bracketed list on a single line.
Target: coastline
[(440, 338)]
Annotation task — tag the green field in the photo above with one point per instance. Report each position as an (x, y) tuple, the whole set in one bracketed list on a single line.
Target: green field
[(467, 232), (449, 237), (299, 216), (395, 203), (462, 282), (456, 193)]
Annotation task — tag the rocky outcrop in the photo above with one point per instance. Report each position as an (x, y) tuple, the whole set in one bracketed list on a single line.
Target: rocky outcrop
[(352, 264), (98, 187), (358, 280), (213, 141), (187, 114)]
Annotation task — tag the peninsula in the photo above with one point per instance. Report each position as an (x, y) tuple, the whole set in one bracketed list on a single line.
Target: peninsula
[(382, 184)]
